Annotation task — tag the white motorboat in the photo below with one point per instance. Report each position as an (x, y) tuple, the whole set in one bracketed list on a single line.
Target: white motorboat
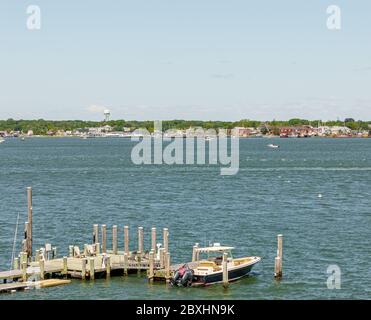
[(271, 145)]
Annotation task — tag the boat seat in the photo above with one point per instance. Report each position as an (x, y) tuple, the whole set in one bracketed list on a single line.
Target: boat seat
[(203, 265), (239, 261)]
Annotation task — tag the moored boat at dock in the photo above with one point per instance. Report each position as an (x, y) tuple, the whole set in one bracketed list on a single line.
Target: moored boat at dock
[(210, 270)]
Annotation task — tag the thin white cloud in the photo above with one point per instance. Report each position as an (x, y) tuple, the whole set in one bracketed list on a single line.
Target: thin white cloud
[(95, 108)]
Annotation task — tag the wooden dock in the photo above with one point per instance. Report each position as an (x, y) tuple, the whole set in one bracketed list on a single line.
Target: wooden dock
[(91, 261)]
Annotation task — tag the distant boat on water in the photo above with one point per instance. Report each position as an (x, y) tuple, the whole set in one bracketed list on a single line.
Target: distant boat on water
[(274, 146), (1, 140)]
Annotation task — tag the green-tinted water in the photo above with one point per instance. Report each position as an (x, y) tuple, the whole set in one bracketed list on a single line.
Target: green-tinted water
[(80, 182)]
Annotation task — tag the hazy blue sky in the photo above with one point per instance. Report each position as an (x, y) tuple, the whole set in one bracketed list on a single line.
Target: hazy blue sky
[(190, 59)]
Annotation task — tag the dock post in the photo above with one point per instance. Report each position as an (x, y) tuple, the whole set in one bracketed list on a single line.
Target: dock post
[(37, 255), (140, 240), (16, 264), (108, 266), (278, 259), (104, 238), (65, 267), (29, 233), (42, 269), (83, 268), (126, 264), (114, 239), (139, 260), (167, 266), (85, 249), (225, 270), (166, 239), (151, 265), (194, 252), (23, 258), (95, 233), (91, 269), (161, 253), (24, 271), (70, 250), (126, 239), (153, 240), (97, 248)]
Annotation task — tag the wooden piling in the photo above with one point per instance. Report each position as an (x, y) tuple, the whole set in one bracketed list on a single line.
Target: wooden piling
[(151, 266), (166, 239), (108, 266), (126, 263), (42, 269), (278, 259), (83, 268), (91, 269), (65, 266), (114, 239), (140, 240), (24, 271), (16, 264), (70, 250), (23, 258), (225, 270), (126, 239), (104, 238), (37, 255), (167, 267), (139, 260), (97, 248), (25, 242), (95, 233), (29, 207), (161, 254), (153, 240)]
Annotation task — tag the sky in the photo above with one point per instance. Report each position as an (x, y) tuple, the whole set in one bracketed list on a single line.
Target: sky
[(190, 59)]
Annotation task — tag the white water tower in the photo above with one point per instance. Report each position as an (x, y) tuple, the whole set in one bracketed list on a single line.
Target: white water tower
[(107, 115)]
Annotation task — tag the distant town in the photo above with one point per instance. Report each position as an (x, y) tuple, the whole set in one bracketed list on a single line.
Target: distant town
[(297, 128)]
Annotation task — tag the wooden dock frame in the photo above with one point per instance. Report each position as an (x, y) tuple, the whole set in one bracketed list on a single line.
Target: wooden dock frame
[(95, 261)]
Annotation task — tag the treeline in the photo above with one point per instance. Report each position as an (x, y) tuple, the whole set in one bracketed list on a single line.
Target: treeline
[(41, 126)]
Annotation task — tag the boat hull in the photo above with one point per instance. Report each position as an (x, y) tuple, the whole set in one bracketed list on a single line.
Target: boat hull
[(217, 277)]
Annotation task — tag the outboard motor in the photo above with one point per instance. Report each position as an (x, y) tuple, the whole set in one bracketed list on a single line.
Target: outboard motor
[(183, 277)]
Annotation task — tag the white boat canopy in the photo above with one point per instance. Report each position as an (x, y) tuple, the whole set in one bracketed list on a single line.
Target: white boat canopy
[(214, 249)]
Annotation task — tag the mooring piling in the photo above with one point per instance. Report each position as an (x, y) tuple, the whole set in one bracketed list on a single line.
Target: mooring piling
[(65, 266), (95, 233), (29, 230), (108, 266), (126, 263), (140, 240), (91, 269), (153, 240), (225, 270), (151, 265), (42, 268), (278, 259), (114, 239), (83, 268), (126, 240), (167, 267), (166, 239), (104, 238), (24, 271)]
